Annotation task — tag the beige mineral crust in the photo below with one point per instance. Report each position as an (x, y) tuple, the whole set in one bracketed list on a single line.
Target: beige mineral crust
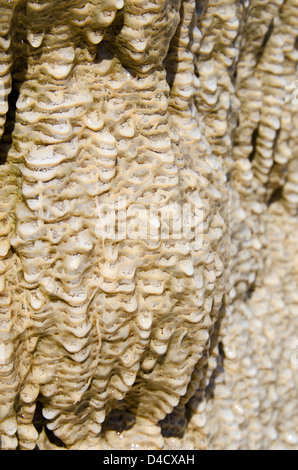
[(159, 342)]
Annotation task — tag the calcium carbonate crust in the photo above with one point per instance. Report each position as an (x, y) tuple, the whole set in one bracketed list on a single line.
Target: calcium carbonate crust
[(139, 343)]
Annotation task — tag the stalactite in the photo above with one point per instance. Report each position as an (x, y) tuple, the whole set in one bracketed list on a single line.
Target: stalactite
[(138, 111)]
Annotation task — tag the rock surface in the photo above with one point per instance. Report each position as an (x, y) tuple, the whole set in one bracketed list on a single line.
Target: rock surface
[(161, 115)]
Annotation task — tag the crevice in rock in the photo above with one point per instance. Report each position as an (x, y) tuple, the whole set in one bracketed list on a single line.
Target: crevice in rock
[(39, 422), (19, 63), (254, 144), (275, 196), (6, 140), (119, 421), (265, 41)]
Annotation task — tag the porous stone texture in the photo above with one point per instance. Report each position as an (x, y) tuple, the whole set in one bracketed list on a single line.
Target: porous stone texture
[(157, 342)]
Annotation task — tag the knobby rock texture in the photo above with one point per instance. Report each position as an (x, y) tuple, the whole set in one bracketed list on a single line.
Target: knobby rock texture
[(148, 343)]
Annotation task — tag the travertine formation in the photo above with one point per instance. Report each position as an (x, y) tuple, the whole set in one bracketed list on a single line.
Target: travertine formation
[(163, 341)]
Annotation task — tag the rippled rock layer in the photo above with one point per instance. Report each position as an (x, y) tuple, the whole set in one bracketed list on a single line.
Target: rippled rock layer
[(157, 342)]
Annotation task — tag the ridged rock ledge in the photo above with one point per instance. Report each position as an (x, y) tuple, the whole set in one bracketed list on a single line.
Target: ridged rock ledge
[(159, 342)]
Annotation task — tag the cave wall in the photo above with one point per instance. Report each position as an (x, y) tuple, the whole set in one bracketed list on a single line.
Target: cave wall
[(126, 109)]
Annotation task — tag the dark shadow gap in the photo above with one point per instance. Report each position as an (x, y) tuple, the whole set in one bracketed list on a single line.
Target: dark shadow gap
[(265, 41), (175, 423), (254, 144), (275, 196), (40, 423), (18, 74), (6, 140), (119, 421)]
